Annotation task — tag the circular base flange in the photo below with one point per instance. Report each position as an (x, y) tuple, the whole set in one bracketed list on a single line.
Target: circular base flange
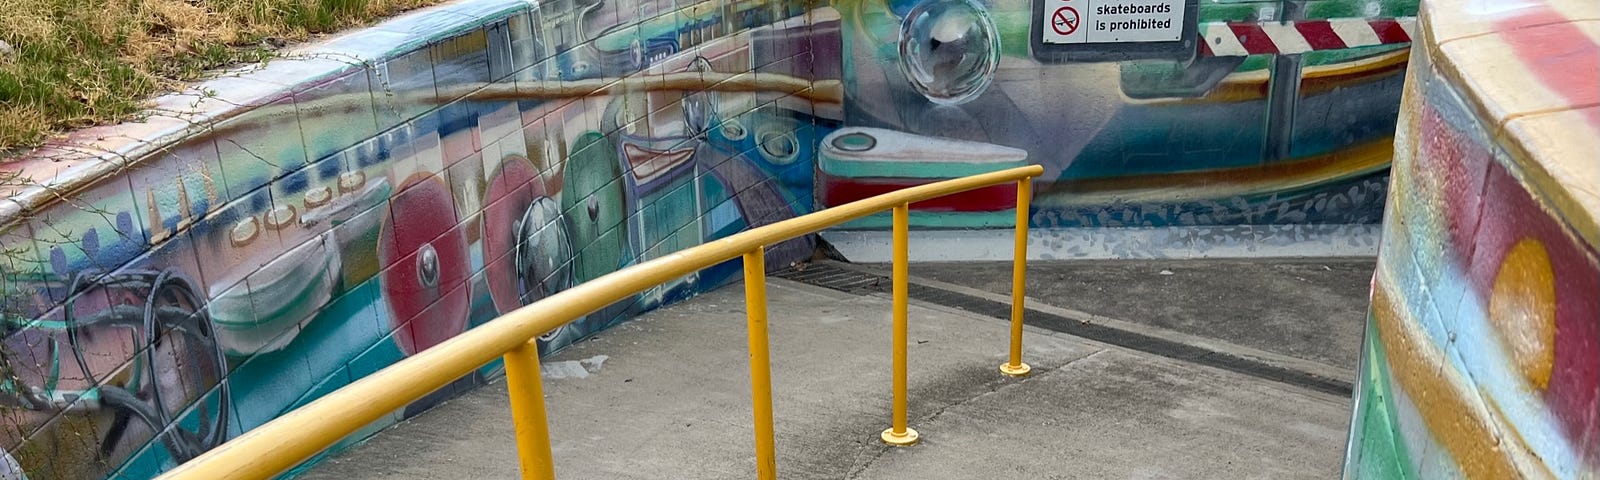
[(902, 440), (1018, 370)]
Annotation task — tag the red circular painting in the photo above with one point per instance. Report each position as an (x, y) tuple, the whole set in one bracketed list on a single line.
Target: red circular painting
[(425, 265), (511, 190)]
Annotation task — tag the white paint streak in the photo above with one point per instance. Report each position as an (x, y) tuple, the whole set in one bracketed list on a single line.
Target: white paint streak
[(573, 368), (1223, 42), (1286, 38), (594, 363), (1355, 32)]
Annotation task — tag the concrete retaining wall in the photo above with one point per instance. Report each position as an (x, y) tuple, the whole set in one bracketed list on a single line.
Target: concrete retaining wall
[(269, 236), (1482, 356), (1270, 136)]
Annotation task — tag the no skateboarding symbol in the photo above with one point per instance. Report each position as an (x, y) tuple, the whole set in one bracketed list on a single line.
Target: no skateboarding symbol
[(1064, 21), (1068, 22)]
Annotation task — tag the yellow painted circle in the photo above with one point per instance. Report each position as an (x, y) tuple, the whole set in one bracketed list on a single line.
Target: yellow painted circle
[(1522, 307)]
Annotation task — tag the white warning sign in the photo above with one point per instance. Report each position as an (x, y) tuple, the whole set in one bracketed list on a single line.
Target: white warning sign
[(1112, 21)]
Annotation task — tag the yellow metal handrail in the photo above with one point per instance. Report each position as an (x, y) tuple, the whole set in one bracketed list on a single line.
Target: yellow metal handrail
[(279, 445)]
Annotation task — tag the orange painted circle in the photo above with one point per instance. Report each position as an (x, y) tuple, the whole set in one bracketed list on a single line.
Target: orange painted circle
[(1522, 307)]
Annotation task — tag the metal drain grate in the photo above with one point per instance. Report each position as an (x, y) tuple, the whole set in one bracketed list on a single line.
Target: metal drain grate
[(829, 275)]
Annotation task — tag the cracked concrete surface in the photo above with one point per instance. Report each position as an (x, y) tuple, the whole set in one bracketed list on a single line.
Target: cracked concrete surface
[(672, 401)]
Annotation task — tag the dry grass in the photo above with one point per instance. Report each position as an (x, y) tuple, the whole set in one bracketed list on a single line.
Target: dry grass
[(77, 63)]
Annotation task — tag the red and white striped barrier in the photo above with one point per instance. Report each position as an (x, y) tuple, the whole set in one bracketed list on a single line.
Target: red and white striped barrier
[(1234, 39)]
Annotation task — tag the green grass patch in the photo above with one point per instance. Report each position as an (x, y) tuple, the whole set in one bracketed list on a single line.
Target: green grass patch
[(77, 63)]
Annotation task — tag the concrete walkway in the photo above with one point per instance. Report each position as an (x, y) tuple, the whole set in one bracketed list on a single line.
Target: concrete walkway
[(1312, 309), (667, 396)]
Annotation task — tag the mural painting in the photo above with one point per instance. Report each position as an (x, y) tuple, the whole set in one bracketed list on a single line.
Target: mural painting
[(1281, 114), (290, 227), (434, 172), (1482, 354)]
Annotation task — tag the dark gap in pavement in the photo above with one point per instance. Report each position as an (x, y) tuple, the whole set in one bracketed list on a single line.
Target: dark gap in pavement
[(829, 276)]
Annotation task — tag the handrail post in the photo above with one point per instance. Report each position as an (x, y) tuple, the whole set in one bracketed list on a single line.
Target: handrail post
[(898, 433), (1019, 272), (526, 387), (298, 435), (755, 304)]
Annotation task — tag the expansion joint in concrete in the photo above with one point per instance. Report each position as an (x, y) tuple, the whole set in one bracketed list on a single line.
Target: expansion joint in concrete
[(992, 388)]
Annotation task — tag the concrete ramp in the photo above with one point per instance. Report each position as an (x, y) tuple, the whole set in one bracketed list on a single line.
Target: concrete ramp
[(667, 396)]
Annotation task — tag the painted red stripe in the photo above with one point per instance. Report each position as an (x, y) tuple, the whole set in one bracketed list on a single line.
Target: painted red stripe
[(1532, 17), (1254, 39), (1459, 164), (995, 198), (1558, 54), (1486, 212), (1510, 213), (1319, 34), (1205, 47), (1389, 31)]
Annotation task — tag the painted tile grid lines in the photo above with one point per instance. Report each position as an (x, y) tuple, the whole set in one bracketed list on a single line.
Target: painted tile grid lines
[(1231, 39), (1525, 70), (1450, 20), (1487, 362), (1557, 48), (53, 174), (241, 100), (338, 112), (1423, 369), (1453, 298), (412, 24), (1476, 357), (71, 225), (437, 145), (1470, 349), (1540, 133)]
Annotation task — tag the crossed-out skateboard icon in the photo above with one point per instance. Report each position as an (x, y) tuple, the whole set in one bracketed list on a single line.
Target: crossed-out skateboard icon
[(1064, 21)]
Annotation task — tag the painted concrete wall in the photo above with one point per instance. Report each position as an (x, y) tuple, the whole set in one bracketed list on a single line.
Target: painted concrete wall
[(1482, 356), (1275, 129), (270, 236), (325, 215)]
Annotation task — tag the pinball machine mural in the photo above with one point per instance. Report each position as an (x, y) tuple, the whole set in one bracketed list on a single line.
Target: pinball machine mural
[(1265, 113), (278, 232)]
